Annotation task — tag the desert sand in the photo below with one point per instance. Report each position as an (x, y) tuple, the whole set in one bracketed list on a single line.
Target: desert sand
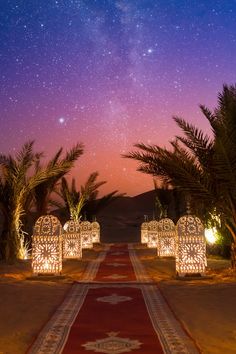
[(206, 308)]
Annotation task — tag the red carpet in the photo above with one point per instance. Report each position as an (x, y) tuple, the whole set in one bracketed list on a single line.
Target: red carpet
[(118, 311), (128, 319), (116, 266)]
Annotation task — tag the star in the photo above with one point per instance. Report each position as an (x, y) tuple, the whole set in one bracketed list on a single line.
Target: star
[(61, 120)]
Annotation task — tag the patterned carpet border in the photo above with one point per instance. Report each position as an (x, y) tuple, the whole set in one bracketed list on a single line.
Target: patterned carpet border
[(91, 270), (170, 332), (52, 338)]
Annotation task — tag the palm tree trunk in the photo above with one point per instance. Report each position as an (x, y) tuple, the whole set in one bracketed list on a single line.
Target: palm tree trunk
[(233, 255), (3, 244), (12, 246), (233, 246)]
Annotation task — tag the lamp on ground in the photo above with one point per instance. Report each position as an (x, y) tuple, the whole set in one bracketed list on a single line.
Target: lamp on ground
[(152, 234), (166, 238), (95, 229), (86, 234), (144, 232), (210, 235), (190, 246), (47, 246), (72, 247)]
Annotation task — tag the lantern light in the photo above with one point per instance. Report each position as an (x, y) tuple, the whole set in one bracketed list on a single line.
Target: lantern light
[(72, 247), (166, 238), (210, 235), (144, 232), (86, 234), (190, 246), (95, 229), (152, 234), (47, 246)]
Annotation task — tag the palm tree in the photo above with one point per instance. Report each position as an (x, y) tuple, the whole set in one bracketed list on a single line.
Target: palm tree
[(16, 185), (43, 191), (84, 201), (201, 166), (160, 204)]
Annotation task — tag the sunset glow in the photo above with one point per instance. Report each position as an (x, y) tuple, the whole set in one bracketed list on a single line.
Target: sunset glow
[(110, 74)]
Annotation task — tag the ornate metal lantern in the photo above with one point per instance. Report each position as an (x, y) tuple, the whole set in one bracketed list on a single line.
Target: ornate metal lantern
[(86, 234), (95, 232), (166, 238), (47, 246), (190, 246), (72, 247), (152, 234), (144, 232)]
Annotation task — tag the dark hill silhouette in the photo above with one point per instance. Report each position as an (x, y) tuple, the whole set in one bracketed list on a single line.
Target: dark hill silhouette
[(120, 221)]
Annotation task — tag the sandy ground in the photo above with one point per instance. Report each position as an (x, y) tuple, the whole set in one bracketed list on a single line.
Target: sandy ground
[(206, 308), (27, 304)]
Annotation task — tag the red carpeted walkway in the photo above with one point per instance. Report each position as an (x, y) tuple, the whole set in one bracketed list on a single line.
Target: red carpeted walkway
[(113, 319), (116, 266), (118, 311)]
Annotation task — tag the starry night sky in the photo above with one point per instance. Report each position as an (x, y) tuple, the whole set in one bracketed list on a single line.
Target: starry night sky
[(110, 73)]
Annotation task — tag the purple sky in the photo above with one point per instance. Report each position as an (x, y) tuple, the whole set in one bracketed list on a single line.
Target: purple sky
[(109, 74)]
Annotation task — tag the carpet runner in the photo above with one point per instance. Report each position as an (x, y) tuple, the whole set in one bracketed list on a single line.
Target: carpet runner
[(116, 266), (114, 309)]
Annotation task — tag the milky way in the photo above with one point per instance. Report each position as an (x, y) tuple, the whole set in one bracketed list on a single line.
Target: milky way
[(110, 74)]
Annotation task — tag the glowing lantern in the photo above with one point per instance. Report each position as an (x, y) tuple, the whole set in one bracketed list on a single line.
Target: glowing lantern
[(47, 246), (72, 247), (95, 232), (210, 235), (144, 232), (86, 234), (166, 238), (191, 246), (152, 234)]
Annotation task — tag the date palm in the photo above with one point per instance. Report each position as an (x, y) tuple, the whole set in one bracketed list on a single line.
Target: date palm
[(16, 186), (84, 201), (43, 191), (201, 166)]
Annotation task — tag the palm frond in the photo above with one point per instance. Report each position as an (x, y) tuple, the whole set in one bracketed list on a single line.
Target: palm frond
[(202, 166), (56, 203), (55, 158), (73, 154), (62, 166)]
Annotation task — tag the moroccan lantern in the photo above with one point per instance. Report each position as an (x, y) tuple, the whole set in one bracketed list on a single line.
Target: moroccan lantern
[(72, 246), (86, 234), (166, 238), (95, 227), (152, 234), (144, 232), (47, 246), (190, 246)]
